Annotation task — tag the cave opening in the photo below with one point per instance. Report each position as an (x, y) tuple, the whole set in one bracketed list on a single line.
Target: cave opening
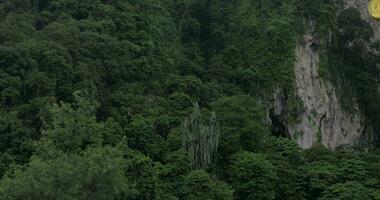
[(278, 127)]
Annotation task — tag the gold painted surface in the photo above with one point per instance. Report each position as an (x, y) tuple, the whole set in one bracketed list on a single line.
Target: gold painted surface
[(374, 8)]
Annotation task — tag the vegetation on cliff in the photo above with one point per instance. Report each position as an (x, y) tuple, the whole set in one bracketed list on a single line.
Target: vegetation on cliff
[(93, 94)]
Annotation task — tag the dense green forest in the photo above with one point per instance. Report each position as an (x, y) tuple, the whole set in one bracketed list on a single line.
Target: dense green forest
[(169, 99)]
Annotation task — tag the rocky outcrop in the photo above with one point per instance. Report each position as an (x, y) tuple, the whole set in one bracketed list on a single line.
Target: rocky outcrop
[(323, 119)]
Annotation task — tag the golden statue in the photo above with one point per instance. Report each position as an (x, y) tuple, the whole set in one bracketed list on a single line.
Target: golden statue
[(374, 9)]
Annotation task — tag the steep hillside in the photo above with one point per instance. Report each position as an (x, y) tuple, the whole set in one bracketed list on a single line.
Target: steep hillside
[(189, 99)]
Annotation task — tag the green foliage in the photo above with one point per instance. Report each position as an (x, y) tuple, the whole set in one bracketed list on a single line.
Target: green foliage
[(320, 176), (319, 153), (96, 173), (354, 170), (252, 176), (200, 140), (286, 156), (257, 32), (353, 67), (176, 166), (349, 190), (140, 170), (143, 137), (244, 124), (93, 95), (198, 185), (70, 130)]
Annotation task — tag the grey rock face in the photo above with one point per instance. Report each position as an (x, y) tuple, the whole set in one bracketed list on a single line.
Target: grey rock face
[(323, 119)]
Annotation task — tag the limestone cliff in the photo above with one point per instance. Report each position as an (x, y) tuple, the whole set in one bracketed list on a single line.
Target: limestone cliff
[(322, 119)]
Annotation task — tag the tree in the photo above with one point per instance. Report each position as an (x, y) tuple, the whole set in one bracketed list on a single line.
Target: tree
[(199, 186), (143, 63), (70, 162), (142, 175), (354, 170), (346, 191), (38, 84), (286, 156), (198, 139), (171, 173), (143, 137), (10, 90), (253, 177), (244, 123), (244, 126), (96, 173), (70, 128), (319, 176)]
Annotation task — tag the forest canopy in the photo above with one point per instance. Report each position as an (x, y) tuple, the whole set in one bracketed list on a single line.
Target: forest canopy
[(169, 99)]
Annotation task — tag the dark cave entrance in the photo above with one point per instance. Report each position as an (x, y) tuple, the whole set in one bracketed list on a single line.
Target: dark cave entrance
[(278, 127)]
